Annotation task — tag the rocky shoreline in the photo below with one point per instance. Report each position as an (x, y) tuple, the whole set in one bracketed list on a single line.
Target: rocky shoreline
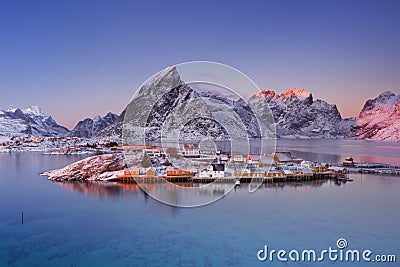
[(98, 168), (107, 167)]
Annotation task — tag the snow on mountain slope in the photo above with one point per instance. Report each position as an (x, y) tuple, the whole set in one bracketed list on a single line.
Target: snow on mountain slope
[(90, 127), (166, 102), (167, 108), (113, 131), (28, 122), (380, 118), (298, 115)]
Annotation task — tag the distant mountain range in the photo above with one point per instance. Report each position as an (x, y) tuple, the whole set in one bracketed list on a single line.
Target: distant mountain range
[(32, 122), (296, 114), (90, 127), (29, 122)]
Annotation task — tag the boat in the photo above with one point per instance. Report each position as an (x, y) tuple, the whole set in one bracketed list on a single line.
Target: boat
[(345, 179)]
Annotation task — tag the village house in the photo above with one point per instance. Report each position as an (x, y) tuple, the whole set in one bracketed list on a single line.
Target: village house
[(348, 162), (150, 171), (152, 152), (224, 157), (238, 158), (275, 173), (307, 164), (140, 171), (190, 150), (171, 171), (285, 158), (213, 171), (337, 169), (319, 167), (253, 161), (266, 160)]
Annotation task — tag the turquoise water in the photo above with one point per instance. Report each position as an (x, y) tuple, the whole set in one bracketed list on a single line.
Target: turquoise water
[(94, 224)]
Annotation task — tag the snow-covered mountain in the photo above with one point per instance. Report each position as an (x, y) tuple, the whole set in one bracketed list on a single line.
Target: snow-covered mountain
[(113, 131), (90, 127), (298, 115), (380, 118), (165, 103), (28, 122), (167, 108)]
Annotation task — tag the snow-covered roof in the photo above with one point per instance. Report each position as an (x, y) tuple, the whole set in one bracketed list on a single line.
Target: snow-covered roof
[(283, 157), (253, 157), (307, 171), (336, 168), (275, 171), (190, 146)]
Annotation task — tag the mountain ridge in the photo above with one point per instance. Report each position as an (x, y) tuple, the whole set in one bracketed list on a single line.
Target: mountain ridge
[(296, 113), (379, 118), (89, 127), (29, 122)]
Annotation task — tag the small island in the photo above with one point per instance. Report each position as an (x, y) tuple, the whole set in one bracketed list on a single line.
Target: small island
[(150, 164)]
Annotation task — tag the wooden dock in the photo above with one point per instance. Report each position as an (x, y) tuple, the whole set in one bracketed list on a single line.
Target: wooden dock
[(151, 178), (245, 179)]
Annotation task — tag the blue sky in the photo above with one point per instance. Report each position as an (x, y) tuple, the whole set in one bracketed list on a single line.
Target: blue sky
[(79, 59)]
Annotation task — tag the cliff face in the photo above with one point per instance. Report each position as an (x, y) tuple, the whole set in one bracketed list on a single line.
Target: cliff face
[(166, 101), (380, 118), (298, 115), (90, 127)]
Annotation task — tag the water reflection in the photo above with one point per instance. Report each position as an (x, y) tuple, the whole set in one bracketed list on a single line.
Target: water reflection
[(101, 189), (313, 183), (116, 189)]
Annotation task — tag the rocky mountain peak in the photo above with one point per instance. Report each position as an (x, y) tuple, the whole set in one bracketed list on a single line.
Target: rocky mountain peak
[(90, 127), (386, 99), (35, 110), (296, 92), (380, 118), (29, 122)]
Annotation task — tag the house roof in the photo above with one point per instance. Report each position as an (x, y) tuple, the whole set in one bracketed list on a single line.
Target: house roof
[(284, 156), (253, 157), (190, 146), (306, 171), (218, 167)]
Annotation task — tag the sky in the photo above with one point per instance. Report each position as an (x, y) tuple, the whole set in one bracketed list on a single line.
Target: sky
[(78, 59)]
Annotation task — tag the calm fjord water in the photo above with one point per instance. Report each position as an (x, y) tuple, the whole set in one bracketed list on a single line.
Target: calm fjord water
[(94, 224)]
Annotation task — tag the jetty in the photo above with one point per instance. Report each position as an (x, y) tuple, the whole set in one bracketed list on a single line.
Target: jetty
[(126, 177)]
